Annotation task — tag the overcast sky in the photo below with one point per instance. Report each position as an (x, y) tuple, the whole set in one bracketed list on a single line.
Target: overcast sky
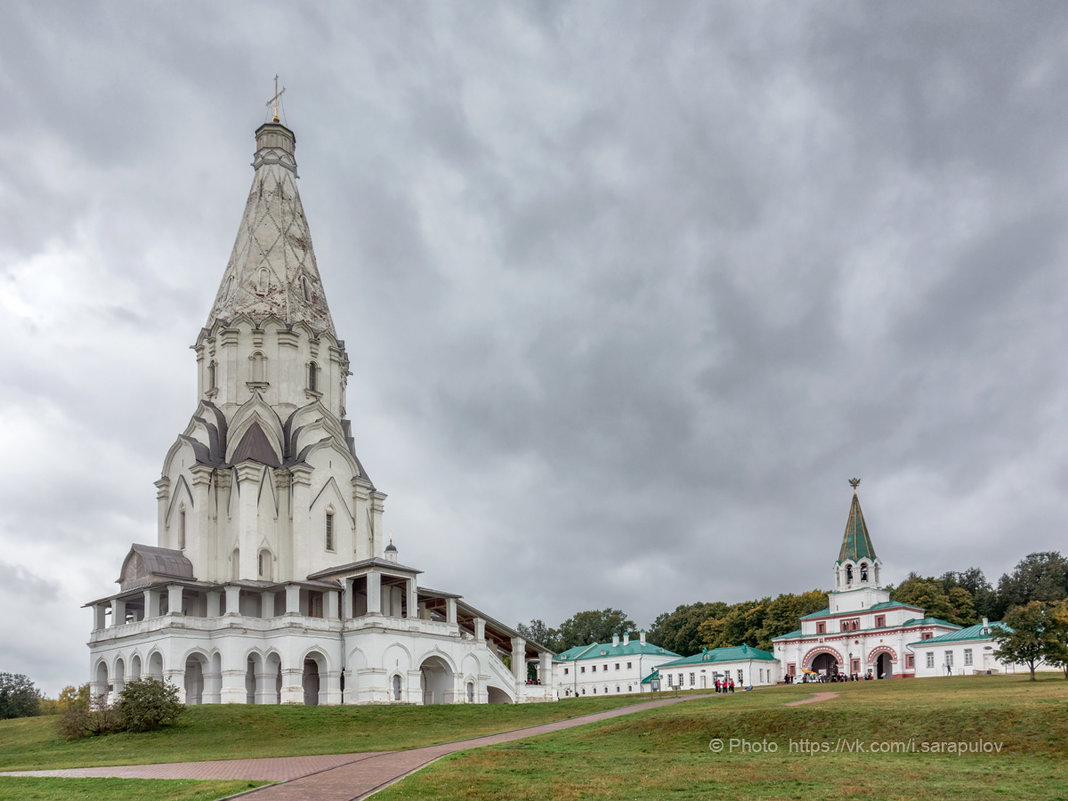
[(630, 289)]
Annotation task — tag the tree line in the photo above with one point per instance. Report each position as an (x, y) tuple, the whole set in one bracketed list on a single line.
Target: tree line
[(963, 598)]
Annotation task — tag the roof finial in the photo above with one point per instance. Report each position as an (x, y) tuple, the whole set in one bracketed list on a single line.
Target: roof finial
[(854, 482), (274, 100)]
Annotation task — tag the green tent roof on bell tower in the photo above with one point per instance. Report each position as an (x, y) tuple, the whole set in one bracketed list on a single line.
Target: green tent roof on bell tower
[(856, 544)]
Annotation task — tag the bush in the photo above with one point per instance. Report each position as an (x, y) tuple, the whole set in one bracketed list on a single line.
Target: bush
[(143, 705), (148, 704)]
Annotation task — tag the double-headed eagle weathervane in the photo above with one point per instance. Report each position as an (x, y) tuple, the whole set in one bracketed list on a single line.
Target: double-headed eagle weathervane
[(854, 483)]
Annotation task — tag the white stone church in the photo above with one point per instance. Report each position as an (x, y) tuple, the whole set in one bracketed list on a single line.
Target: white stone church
[(271, 581)]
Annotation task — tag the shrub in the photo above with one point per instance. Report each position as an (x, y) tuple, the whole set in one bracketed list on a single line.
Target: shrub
[(143, 705), (148, 704)]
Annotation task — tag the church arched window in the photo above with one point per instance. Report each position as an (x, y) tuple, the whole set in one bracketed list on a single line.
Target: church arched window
[(863, 571), (211, 375), (396, 688), (263, 564), (470, 692), (329, 531), (306, 288), (181, 529), (313, 376), (259, 366), (849, 574), (264, 282), (235, 565)]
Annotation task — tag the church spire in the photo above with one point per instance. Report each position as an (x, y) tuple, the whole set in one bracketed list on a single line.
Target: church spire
[(856, 544), (272, 269)]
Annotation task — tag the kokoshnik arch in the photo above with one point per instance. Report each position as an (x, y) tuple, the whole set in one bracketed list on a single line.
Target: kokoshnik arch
[(270, 581)]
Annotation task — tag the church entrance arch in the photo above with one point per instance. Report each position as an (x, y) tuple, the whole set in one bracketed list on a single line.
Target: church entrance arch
[(155, 666), (435, 680), (274, 678), (312, 679), (825, 664), (194, 679), (884, 667)]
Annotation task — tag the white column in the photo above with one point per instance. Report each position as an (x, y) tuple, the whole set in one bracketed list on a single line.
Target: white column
[(331, 611), (100, 619), (374, 593), (233, 600), (292, 608), (413, 598), (293, 685), (519, 659), (450, 610), (174, 599), (232, 689), (330, 688), (214, 603), (480, 629), (267, 604), (118, 612), (151, 603), (546, 672)]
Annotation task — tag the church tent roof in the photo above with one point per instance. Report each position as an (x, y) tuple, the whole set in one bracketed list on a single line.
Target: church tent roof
[(856, 544)]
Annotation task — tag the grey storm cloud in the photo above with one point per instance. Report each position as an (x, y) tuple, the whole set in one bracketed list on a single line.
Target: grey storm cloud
[(630, 289)]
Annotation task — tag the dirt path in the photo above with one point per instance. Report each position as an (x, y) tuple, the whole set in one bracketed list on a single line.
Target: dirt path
[(813, 699), (339, 777)]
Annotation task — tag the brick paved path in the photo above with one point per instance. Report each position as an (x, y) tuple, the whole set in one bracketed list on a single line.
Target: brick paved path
[(334, 777)]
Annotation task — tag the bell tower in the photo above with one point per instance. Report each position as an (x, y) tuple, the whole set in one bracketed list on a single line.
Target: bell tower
[(857, 583)]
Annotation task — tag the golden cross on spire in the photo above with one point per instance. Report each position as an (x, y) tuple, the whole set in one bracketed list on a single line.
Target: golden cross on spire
[(274, 100)]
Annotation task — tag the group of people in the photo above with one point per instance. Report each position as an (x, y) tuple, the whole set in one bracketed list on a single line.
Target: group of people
[(724, 686)]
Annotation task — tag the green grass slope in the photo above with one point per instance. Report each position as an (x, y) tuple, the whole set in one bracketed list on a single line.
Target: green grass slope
[(665, 754)]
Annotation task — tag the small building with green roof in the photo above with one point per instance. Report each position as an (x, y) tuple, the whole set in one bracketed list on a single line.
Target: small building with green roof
[(614, 668), (743, 664)]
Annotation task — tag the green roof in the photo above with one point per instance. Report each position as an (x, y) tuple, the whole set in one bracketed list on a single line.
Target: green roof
[(605, 650), (821, 613), (734, 653), (971, 633), (928, 621), (793, 635), (856, 544)]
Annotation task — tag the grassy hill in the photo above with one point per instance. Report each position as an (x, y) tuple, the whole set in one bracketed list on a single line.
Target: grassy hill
[(659, 754), (665, 754)]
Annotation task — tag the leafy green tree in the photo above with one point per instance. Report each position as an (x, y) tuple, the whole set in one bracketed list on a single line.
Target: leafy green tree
[(19, 698), (1038, 577), (954, 605), (1057, 636), (678, 631), (592, 626), (537, 631), (1029, 635)]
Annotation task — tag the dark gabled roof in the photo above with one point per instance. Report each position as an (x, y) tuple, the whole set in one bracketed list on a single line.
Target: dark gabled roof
[(254, 447), (353, 566), (856, 544), (149, 564)]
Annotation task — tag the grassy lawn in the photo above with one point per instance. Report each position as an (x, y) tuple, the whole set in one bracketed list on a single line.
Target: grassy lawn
[(238, 732), (665, 754), (33, 789)]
